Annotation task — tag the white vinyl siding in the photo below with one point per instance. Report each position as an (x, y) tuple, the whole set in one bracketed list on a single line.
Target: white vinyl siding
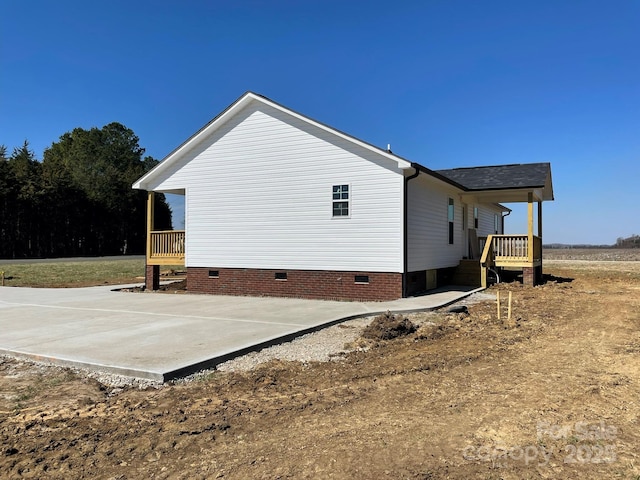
[(428, 225), (259, 195), (486, 219)]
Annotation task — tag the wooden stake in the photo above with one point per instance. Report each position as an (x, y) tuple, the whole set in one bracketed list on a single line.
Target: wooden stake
[(509, 314), (498, 294), (2, 275)]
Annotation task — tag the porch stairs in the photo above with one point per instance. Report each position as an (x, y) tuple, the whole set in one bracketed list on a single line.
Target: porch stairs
[(468, 273)]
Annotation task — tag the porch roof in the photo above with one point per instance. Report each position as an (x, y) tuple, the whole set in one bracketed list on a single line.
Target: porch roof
[(504, 183)]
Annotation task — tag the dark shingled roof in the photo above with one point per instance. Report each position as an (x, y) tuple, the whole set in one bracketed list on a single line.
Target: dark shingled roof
[(499, 177)]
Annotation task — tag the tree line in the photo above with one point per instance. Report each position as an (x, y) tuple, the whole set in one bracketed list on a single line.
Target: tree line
[(629, 242), (78, 200)]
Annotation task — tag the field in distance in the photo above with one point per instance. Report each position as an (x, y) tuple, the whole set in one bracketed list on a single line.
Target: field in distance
[(87, 272), (592, 254), (81, 272)]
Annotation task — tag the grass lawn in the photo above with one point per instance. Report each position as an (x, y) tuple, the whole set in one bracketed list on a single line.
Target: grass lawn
[(77, 274)]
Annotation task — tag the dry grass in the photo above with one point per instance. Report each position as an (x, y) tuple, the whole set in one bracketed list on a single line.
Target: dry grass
[(76, 274), (593, 254)]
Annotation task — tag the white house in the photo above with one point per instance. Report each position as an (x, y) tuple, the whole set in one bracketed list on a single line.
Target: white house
[(279, 204)]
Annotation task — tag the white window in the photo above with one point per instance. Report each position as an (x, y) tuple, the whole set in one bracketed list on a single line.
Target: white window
[(341, 200)]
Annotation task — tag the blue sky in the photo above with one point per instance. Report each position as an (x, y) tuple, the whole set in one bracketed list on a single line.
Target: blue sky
[(446, 83)]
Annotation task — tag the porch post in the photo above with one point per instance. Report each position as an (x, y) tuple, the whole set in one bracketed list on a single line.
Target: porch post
[(152, 272), (530, 211), (540, 219), (539, 271), (150, 215)]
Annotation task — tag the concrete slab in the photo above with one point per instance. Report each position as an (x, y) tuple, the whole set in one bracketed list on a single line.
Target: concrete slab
[(163, 336)]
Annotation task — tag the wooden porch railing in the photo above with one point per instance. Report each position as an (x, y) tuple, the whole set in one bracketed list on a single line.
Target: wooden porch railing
[(166, 247), (510, 251), (514, 248)]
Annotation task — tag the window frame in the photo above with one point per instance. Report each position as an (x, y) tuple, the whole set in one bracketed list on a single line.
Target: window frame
[(341, 192)]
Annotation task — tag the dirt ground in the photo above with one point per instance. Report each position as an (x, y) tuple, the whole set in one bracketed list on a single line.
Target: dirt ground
[(552, 393)]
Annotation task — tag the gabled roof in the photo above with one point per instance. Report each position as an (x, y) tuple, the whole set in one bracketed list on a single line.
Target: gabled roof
[(514, 181), (527, 176), (230, 111)]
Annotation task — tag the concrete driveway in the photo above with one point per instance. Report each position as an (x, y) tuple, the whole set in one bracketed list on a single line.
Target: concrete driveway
[(160, 336)]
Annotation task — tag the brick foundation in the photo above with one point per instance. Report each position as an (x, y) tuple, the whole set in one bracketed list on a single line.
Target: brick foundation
[(316, 284), (152, 277)]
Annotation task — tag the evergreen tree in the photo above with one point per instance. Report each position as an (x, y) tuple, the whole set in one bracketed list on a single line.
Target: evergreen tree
[(98, 166), (79, 200), (25, 200), (7, 203)]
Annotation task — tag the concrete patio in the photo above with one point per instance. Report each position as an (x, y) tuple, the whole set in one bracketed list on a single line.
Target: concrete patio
[(159, 336)]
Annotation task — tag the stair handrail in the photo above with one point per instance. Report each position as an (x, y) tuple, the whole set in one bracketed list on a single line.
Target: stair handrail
[(487, 260)]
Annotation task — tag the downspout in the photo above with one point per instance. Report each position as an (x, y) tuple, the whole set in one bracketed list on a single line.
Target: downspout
[(503, 217), (405, 253)]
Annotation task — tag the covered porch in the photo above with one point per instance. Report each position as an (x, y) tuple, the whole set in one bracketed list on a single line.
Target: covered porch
[(516, 251), (504, 184), (164, 247)]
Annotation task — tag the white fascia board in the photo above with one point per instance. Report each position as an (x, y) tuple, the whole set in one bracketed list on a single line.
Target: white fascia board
[(142, 183)]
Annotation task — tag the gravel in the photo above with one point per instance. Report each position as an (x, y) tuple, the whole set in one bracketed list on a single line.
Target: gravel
[(328, 344), (320, 346)]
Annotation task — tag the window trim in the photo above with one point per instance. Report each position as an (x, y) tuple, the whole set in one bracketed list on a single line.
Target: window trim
[(342, 199)]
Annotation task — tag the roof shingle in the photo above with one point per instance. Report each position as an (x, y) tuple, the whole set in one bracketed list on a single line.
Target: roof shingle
[(499, 177)]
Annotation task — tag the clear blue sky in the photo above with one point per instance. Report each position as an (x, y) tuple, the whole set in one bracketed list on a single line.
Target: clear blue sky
[(447, 83)]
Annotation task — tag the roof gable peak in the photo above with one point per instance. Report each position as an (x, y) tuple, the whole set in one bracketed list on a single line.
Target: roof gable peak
[(242, 102)]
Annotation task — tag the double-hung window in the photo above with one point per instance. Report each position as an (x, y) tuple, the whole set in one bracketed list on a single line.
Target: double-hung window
[(341, 200)]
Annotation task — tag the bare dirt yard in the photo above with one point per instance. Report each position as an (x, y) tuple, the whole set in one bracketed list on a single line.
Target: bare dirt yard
[(553, 393)]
